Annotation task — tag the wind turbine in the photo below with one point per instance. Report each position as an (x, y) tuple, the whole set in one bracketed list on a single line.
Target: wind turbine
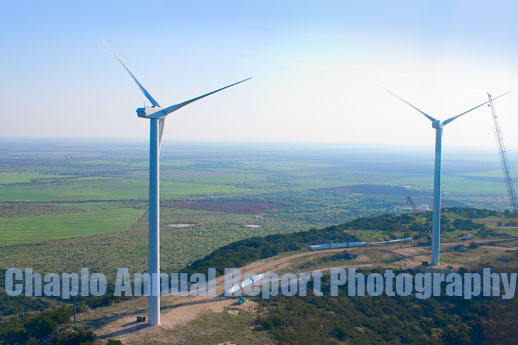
[(436, 216), (156, 114)]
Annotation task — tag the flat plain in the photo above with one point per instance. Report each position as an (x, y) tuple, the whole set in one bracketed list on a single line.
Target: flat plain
[(84, 203)]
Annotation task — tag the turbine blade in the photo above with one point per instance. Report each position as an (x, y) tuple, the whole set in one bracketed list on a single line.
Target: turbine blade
[(144, 91), (183, 104), (161, 123), (419, 110), (445, 122)]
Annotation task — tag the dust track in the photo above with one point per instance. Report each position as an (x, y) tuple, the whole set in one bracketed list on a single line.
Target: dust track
[(180, 310)]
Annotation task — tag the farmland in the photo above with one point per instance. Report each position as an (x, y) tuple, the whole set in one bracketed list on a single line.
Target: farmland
[(65, 205), (69, 224), (82, 205)]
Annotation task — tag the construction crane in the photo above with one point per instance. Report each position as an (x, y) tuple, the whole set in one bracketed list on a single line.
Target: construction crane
[(506, 165), (411, 202)]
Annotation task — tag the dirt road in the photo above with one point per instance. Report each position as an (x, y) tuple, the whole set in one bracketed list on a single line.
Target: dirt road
[(178, 310)]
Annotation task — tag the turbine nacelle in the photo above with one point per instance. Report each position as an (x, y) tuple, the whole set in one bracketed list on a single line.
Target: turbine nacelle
[(151, 112)]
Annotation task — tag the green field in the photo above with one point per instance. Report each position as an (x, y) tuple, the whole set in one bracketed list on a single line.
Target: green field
[(8, 177), (86, 207), (67, 225), (91, 200)]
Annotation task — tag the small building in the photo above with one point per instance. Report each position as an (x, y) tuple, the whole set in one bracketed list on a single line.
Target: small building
[(423, 208)]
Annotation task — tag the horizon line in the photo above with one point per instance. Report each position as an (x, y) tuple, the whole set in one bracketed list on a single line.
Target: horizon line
[(254, 142)]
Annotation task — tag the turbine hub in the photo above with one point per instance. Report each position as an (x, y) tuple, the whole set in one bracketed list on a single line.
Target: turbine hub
[(150, 113), (436, 124)]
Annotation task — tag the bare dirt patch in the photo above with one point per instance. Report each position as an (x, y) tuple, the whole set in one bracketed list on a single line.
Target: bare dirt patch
[(231, 206)]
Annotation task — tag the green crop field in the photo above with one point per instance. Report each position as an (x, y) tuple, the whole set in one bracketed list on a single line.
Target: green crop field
[(63, 209), (8, 177), (105, 189), (67, 225), (85, 205)]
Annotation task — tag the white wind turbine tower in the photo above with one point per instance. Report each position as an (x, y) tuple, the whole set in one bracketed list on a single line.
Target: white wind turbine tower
[(156, 114), (436, 216)]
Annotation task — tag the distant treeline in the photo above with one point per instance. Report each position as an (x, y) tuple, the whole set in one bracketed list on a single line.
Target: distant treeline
[(472, 212), (422, 222), (241, 253)]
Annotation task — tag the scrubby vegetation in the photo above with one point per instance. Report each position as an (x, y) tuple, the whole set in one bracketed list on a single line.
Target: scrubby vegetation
[(452, 219), (345, 255), (328, 320), (13, 305), (240, 253), (472, 212), (114, 342), (45, 328), (373, 320), (85, 189), (46, 321), (388, 320)]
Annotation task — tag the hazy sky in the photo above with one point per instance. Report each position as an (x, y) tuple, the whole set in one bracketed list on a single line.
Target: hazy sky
[(316, 67)]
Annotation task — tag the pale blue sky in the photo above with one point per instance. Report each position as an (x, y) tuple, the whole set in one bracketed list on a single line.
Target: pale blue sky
[(316, 67)]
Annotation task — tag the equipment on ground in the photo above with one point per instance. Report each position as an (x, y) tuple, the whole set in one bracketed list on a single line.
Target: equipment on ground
[(336, 245), (251, 280), (323, 246)]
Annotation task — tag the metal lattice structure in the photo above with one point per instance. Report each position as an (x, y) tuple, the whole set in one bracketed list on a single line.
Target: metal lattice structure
[(411, 202), (504, 160)]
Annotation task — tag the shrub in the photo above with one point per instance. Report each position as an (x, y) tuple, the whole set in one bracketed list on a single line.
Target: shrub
[(114, 342), (473, 245)]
